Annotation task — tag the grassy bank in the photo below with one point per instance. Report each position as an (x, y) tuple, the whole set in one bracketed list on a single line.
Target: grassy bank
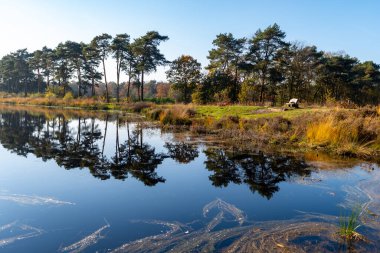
[(347, 132)]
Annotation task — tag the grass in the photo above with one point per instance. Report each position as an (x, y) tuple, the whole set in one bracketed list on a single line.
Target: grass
[(251, 112), (349, 132), (218, 112), (349, 224)]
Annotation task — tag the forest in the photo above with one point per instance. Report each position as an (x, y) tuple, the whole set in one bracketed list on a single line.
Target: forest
[(263, 69)]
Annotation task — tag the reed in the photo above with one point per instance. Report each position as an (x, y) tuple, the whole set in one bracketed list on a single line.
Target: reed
[(349, 224)]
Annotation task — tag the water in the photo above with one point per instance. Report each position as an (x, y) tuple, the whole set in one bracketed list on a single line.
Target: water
[(73, 181)]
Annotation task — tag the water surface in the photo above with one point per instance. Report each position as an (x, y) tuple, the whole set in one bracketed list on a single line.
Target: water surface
[(74, 181)]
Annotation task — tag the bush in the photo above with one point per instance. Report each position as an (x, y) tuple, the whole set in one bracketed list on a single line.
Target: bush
[(68, 96), (139, 106), (178, 115), (50, 94)]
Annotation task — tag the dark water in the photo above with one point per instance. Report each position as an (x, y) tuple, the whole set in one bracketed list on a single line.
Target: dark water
[(78, 183)]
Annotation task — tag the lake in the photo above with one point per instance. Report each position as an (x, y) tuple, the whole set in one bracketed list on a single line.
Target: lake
[(77, 181)]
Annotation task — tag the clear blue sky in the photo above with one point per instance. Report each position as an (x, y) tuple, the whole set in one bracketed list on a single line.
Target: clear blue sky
[(352, 26)]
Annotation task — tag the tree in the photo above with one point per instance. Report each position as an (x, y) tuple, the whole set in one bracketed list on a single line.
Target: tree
[(184, 74), (92, 61), (130, 68), (120, 46), (76, 58), (36, 64), (366, 85), (163, 90), (48, 61), (335, 77), (63, 67), (299, 65), (227, 57), (16, 72), (102, 44), (147, 55), (262, 55)]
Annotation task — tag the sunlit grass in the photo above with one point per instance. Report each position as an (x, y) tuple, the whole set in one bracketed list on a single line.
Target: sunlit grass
[(229, 110), (348, 225)]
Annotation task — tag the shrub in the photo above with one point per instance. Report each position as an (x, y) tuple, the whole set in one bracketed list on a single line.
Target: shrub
[(50, 94), (68, 96), (139, 106), (177, 115)]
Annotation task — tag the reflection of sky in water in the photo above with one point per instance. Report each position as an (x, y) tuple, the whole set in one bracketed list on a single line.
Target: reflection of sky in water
[(181, 198)]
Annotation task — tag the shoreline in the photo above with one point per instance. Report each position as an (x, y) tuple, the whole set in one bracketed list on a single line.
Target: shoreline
[(339, 132)]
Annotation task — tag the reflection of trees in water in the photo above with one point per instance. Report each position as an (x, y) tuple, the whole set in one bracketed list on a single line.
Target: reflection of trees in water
[(262, 173), (136, 158), (80, 144), (182, 152)]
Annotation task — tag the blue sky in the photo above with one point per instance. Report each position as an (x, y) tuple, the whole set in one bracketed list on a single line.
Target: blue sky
[(332, 25)]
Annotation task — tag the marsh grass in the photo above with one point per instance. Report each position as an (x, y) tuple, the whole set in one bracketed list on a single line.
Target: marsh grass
[(348, 132), (349, 224)]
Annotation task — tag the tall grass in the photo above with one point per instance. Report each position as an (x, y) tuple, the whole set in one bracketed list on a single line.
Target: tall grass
[(349, 224), (349, 132), (175, 115)]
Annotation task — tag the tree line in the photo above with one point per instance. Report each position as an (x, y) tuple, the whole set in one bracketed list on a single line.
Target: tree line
[(263, 68), (48, 69)]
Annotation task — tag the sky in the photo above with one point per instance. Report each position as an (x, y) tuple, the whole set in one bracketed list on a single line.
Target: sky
[(351, 26)]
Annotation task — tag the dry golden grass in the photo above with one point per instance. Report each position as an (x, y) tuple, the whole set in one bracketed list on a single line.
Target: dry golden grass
[(351, 132)]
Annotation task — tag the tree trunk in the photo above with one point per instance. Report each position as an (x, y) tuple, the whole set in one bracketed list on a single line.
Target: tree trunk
[(236, 89), (79, 82), (26, 89), (142, 85), (38, 80), (105, 81), (117, 79), (262, 93), (129, 86)]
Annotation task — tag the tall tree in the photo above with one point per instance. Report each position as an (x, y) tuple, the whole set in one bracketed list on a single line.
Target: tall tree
[(120, 46), (92, 61), (129, 67), (227, 57), (299, 65), (76, 57), (336, 76), (147, 54), (102, 43), (48, 61), (22, 73), (262, 55), (366, 85), (63, 68), (185, 74), (36, 64)]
